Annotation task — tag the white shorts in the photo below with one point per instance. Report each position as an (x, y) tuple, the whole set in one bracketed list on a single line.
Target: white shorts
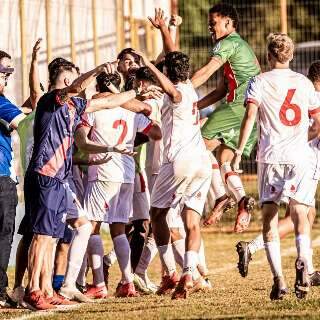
[(174, 219), (183, 181), (74, 207), (141, 198), (109, 202), (280, 182)]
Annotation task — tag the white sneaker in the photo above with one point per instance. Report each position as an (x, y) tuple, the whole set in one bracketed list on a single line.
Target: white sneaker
[(143, 284), (17, 296), (72, 293)]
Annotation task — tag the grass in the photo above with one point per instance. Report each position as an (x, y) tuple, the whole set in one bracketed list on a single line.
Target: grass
[(232, 297)]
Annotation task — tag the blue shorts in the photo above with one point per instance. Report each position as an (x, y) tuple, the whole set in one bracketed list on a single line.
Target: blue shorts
[(67, 236), (49, 202)]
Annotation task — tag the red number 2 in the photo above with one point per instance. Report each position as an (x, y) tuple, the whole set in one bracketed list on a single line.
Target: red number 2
[(287, 105), (124, 132), (196, 113)]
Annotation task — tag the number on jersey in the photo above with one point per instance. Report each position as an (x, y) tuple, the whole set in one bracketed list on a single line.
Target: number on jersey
[(286, 106), (124, 132)]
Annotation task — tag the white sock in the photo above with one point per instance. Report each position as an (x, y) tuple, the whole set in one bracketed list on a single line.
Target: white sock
[(233, 181), (274, 257), (202, 266), (216, 179), (83, 271), (95, 254), (167, 259), (148, 253), (191, 260), (303, 248), (122, 250), (178, 248), (256, 244), (77, 251), (310, 264), (110, 258)]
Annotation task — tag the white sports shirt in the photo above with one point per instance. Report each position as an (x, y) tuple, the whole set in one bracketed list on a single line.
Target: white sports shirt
[(114, 127), (180, 125), (285, 99)]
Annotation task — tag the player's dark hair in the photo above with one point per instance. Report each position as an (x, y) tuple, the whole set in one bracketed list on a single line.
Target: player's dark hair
[(160, 65), (104, 79), (226, 10), (144, 73), (314, 71), (178, 66), (57, 66), (3, 54), (130, 79), (129, 51)]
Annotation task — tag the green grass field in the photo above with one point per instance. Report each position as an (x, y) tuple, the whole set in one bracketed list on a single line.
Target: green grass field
[(232, 297)]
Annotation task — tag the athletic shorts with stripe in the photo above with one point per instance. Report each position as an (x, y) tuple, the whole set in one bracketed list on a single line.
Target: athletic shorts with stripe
[(109, 202)]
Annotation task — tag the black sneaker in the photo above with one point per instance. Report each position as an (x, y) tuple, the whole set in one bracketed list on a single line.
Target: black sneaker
[(302, 284), (81, 288), (244, 257), (314, 278), (6, 301), (279, 289)]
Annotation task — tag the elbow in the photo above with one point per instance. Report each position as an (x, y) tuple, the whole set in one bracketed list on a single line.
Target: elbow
[(156, 133)]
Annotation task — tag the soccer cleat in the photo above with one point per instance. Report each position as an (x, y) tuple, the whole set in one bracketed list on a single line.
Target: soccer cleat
[(81, 288), (244, 257), (245, 209), (6, 301), (167, 284), (219, 209), (315, 278), (58, 300), (279, 289), (95, 292), (126, 290), (18, 295), (35, 300), (144, 285), (183, 288), (201, 284), (72, 293), (302, 283)]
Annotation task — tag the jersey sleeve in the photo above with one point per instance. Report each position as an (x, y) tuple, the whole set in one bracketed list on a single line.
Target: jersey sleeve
[(253, 92), (314, 101), (87, 120), (143, 124), (8, 111), (80, 105), (155, 108), (224, 49)]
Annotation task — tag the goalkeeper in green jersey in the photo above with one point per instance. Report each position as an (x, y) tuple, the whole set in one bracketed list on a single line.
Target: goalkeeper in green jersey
[(221, 130)]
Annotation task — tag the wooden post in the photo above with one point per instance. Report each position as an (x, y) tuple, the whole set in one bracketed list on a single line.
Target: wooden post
[(95, 35), (48, 31), (132, 26), (23, 45), (283, 16), (71, 26), (120, 26), (175, 10), (149, 43)]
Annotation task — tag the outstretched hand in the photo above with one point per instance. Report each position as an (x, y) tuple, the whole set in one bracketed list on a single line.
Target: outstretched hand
[(122, 148), (159, 19), (236, 163), (104, 160), (36, 48), (143, 57)]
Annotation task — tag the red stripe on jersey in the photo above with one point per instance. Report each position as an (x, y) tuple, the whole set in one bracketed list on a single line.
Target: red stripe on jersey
[(232, 83), (228, 174), (147, 128), (215, 166), (314, 111), (142, 183), (251, 100)]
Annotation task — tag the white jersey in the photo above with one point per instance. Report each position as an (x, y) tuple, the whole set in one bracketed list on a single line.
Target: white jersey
[(154, 148), (285, 100), (114, 127), (181, 133)]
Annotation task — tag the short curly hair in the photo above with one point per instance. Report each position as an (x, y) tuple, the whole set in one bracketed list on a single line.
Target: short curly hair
[(145, 73), (314, 71), (280, 46), (178, 66), (104, 79), (226, 10)]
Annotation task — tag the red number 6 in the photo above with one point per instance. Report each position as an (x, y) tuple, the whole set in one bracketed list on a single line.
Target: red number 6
[(287, 105)]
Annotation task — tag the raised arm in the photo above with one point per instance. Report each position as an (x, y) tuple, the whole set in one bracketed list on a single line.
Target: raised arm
[(214, 96), (245, 131), (166, 85), (203, 74)]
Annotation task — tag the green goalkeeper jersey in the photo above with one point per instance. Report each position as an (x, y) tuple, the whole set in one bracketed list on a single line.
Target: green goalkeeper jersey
[(240, 64)]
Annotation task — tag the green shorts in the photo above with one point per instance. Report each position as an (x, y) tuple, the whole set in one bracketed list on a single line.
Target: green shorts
[(224, 124)]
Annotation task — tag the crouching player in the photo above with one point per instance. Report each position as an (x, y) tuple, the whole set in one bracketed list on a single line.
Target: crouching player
[(185, 173), (283, 100)]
